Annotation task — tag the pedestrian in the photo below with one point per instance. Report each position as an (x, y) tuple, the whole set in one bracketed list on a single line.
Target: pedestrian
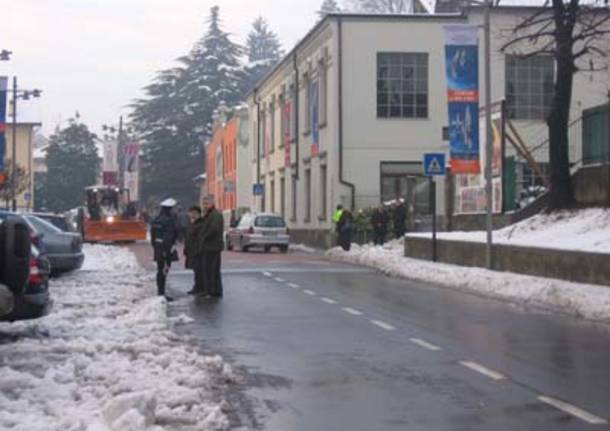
[(192, 250), (211, 246), (379, 220), (400, 219), (183, 224), (163, 234), (336, 218), (344, 228)]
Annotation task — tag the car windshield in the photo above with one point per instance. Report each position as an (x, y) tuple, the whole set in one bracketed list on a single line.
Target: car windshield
[(43, 226), (269, 221), (58, 222)]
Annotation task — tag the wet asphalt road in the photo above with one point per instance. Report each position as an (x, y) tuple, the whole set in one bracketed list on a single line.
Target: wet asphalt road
[(326, 346)]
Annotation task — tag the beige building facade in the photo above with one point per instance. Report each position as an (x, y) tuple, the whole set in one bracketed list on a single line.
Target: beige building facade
[(25, 159), (370, 147)]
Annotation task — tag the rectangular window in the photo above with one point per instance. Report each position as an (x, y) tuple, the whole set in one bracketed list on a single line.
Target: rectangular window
[(323, 73), (402, 85), (307, 195), (294, 184), (272, 126), (529, 86), (306, 108), (283, 197), (263, 141), (323, 193), (272, 195)]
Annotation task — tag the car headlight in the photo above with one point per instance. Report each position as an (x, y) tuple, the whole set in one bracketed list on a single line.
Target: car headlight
[(110, 219)]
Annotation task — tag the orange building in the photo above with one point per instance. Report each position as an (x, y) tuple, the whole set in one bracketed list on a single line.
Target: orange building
[(222, 164)]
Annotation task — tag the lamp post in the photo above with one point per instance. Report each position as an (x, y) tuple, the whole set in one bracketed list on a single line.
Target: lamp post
[(25, 95), (488, 137)]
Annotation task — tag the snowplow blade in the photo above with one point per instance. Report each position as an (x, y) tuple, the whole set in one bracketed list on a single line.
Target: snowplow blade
[(117, 231)]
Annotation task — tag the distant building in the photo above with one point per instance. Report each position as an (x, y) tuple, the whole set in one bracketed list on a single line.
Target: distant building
[(25, 159), (228, 168), (347, 115)]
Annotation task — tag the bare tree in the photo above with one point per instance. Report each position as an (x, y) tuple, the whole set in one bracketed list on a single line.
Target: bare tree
[(575, 33), (15, 182)]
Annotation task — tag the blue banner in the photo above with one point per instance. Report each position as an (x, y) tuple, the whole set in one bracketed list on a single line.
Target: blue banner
[(462, 72), (3, 90)]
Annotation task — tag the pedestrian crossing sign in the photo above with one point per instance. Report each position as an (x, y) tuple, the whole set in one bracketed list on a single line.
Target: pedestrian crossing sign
[(434, 164)]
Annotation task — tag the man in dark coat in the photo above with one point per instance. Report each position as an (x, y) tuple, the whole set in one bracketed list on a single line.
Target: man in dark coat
[(192, 251), (211, 245), (379, 220), (345, 226), (400, 219), (163, 234)]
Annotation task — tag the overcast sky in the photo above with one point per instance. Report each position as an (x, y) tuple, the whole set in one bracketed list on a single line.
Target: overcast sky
[(94, 56)]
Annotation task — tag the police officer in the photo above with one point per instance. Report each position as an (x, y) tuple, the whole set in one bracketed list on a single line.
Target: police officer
[(163, 233)]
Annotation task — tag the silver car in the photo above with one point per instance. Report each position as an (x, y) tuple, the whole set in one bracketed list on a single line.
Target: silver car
[(264, 230)]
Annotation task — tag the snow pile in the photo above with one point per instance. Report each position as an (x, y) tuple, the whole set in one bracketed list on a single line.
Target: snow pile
[(588, 301), (583, 230), (106, 359), (303, 248)]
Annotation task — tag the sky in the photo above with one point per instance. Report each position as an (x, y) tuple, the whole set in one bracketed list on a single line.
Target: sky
[(95, 56)]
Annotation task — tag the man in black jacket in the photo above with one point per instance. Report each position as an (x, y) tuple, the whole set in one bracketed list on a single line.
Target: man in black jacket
[(192, 251), (211, 245), (379, 220), (163, 234)]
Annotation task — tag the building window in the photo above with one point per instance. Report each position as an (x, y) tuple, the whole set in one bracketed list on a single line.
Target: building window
[(272, 127), (529, 86), (306, 108), (323, 193), (402, 85), (307, 195), (403, 180), (293, 215), (263, 141), (283, 197), (323, 74), (272, 195)]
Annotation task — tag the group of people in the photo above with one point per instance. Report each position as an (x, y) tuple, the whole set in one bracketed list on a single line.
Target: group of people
[(203, 244), (380, 220)]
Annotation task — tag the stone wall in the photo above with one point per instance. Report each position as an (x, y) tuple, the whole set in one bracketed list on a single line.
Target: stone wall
[(582, 267), (592, 185)]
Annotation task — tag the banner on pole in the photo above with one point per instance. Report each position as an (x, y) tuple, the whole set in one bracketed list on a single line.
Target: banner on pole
[(3, 90), (131, 170), (111, 161), (462, 72), (314, 100)]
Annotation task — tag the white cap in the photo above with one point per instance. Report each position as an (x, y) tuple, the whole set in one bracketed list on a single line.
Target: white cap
[(169, 203)]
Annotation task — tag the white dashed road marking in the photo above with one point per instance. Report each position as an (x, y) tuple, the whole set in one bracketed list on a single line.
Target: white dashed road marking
[(383, 325), (310, 292), (482, 370), (328, 301), (352, 311), (279, 280), (294, 285), (424, 344), (573, 410)]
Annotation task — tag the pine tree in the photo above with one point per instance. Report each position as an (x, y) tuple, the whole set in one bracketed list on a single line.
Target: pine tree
[(328, 6), (72, 164), (263, 50)]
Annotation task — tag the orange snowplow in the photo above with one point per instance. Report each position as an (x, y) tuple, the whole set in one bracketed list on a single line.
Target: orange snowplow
[(111, 217)]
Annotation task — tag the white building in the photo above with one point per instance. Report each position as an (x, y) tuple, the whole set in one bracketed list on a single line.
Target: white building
[(382, 104)]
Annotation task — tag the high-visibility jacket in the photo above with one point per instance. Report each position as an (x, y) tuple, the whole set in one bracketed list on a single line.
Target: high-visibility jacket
[(337, 216)]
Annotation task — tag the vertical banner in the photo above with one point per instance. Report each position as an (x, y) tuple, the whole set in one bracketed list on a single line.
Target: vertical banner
[(314, 100), (268, 137), (462, 71), (287, 133), (131, 170), (110, 164), (3, 89)]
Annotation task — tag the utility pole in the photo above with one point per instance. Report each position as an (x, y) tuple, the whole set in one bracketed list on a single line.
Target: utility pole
[(14, 158), (488, 137), (120, 155)]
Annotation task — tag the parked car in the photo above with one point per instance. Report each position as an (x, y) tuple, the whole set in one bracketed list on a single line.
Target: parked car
[(35, 301), (264, 230), (57, 220), (14, 261), (63, 249), (35, 236)]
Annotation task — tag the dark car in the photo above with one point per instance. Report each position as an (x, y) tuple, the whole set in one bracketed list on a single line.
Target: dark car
[(57, 220), (35, 301), (15, 255), (63, 249)]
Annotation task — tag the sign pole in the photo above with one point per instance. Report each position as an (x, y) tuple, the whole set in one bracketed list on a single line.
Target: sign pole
[(434, 241), (488, 139)]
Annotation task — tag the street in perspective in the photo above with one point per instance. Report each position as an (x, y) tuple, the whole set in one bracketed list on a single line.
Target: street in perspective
[(319, 215)]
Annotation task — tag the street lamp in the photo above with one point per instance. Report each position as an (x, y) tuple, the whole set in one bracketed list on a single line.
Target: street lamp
[(25, 95)]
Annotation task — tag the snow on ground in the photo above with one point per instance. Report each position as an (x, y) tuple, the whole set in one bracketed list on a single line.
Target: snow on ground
[(303, 248), (582, 230), (588, 301), (106, 359)]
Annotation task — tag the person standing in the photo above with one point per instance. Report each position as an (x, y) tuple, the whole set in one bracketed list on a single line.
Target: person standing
[(344, 229), (163, 234), (192, 252), (183, 224), (400, 219), (211, 246), (379, 220)]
